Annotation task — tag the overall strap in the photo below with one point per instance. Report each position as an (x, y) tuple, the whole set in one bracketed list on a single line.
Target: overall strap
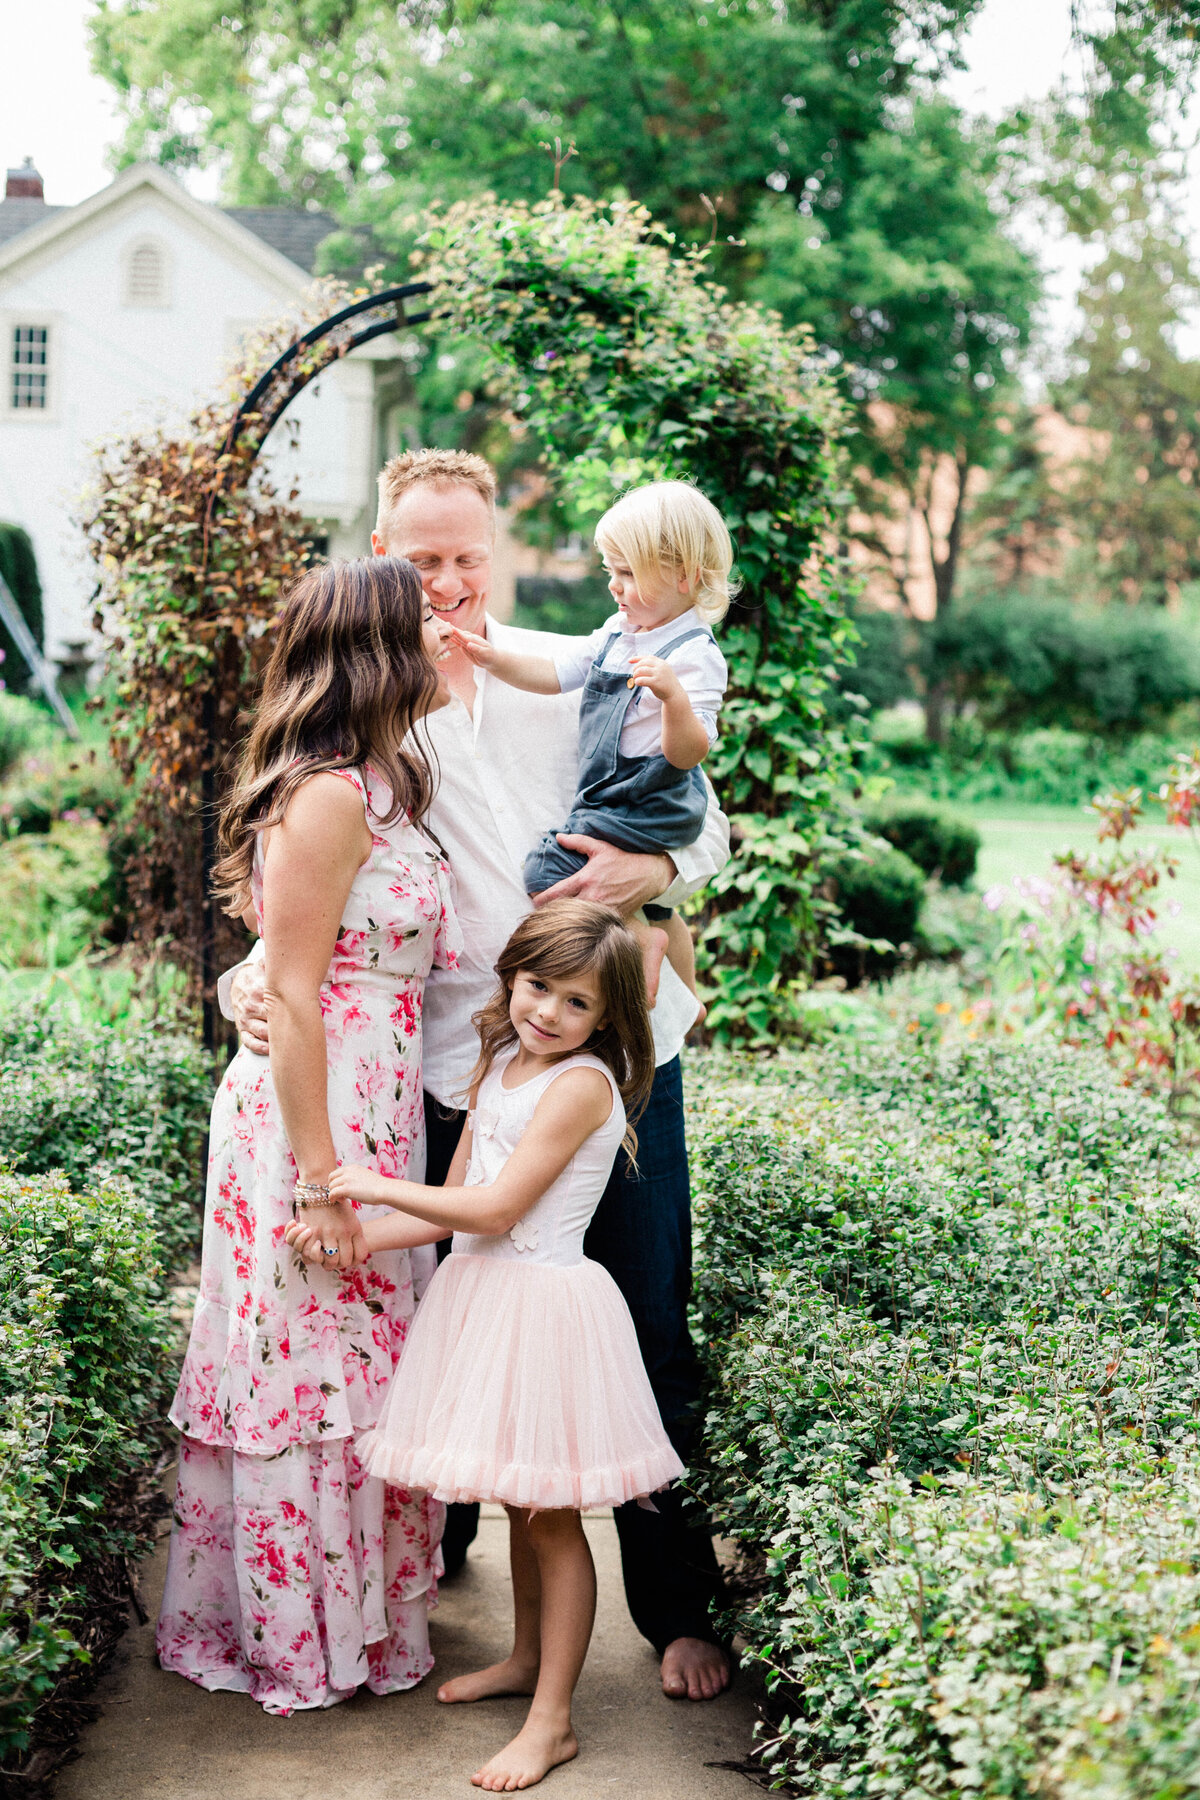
[(684, 637)]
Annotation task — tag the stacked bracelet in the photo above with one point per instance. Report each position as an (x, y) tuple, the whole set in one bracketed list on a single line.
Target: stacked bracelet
[(313, 1193)]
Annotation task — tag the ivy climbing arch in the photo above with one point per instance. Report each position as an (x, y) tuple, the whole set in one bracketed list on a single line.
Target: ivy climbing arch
[(627, 365)]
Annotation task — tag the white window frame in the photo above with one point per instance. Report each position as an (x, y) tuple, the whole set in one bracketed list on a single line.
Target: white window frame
[(10, 321), (146, 241)]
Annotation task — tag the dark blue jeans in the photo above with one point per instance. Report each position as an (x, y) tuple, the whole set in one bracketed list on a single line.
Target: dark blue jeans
[(642, 1234)]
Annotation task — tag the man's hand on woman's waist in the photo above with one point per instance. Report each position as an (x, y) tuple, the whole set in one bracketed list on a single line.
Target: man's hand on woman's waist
[(247, 996)]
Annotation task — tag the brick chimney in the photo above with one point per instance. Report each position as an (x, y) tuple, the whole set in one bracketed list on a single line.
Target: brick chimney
[(24, 183)]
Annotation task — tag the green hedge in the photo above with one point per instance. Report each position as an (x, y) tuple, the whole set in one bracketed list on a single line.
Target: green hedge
[(18, 566), (99, 1102), (879, 892), (940, 842), (1026, 662), (950, 1306), (84, 1376), (1046, 765)]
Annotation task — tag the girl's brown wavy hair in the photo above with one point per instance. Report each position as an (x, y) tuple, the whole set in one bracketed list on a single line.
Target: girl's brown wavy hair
[(348, 681), (576, 937)]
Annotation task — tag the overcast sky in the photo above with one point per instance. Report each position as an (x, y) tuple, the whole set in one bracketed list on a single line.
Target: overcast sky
[(54, 109)]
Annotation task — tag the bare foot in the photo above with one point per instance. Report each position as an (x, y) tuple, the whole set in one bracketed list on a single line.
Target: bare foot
[(654, 943), (507, 1677), (534, 1751), (694, 1669)]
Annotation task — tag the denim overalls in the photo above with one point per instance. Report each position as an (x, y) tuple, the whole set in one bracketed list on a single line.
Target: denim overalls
[(634, 802)]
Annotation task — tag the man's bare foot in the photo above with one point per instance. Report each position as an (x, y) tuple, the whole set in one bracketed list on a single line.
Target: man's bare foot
[(534, 1751), (507, 1677), (694, 1669)]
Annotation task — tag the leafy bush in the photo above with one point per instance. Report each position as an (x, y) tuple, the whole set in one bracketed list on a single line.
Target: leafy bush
[(886, 647), (878, 893), (24, 726), (18, 566), (545, 603), (55, 895), (941, 843), (101, 1104), (950, 1308), (1028, 662), (84, 1369), (62, 780), (1047, 765)]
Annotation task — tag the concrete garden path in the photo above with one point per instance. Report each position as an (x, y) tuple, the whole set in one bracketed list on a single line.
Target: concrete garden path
[(160, 1738)]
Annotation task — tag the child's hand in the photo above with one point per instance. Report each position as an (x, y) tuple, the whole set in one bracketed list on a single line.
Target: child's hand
[(653, 673), (351, 1182), (476, 648)]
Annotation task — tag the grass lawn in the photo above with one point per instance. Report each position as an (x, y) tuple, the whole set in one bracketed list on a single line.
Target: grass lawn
[(1021, 840)]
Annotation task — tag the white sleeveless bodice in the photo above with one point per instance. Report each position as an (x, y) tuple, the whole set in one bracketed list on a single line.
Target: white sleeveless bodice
[(553, 1228)]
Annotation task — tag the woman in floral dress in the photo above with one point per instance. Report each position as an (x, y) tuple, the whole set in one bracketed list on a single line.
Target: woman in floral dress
[(293, 1575)]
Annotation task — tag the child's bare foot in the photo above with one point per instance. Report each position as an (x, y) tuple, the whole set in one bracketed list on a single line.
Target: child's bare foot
[(653, 941), (507, 1677), (534, 1751)]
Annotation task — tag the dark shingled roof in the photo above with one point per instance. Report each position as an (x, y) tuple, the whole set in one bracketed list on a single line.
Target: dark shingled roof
[(18, 215), (295, 234)]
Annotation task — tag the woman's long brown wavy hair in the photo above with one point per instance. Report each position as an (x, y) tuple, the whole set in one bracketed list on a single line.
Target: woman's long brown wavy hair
[(348, 680), (576, 937)]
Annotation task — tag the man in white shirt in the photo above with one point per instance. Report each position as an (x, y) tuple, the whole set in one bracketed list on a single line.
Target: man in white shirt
[(507, 763)]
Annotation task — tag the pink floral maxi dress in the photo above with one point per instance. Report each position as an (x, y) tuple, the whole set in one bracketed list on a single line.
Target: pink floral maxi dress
[(293, 1575)]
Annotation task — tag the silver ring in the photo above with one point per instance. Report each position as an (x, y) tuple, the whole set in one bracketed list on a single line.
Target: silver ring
[(329, 1249)]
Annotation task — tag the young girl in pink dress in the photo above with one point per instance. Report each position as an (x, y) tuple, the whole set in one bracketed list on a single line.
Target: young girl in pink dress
[(521, 1379)]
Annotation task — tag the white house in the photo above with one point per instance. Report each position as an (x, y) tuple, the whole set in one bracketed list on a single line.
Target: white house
[(123, 310)]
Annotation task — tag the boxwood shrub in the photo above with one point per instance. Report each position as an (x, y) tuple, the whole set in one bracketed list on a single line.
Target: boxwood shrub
[(939, 841), (84, 1361), (102, 1101), (951, 1315)]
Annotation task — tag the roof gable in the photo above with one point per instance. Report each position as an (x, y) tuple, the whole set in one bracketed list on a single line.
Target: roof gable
[(42, 240)]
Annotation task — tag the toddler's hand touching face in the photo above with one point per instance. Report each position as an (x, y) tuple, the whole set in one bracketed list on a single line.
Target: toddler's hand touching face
[(476, 648)]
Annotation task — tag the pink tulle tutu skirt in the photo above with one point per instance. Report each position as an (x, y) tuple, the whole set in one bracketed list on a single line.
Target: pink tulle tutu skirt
[(522, 1382)]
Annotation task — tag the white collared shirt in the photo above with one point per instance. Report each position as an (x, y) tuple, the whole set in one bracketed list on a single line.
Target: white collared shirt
[(702, 671), (506, 774)]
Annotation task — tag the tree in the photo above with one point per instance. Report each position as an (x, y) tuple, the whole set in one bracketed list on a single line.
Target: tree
[(1135, 501), (372, 109), (913, 286)]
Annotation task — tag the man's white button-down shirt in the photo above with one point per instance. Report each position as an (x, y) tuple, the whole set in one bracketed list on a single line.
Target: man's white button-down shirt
[(507, 774)]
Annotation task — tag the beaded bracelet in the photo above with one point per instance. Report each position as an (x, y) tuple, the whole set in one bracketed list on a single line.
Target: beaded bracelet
[(313, 1193)]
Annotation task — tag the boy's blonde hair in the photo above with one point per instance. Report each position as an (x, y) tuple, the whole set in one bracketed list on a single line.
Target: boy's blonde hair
[(668, 529), (435, 468)]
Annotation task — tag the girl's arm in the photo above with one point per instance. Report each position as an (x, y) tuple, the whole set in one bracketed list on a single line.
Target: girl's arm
[(398, 1232), (402, 1231), (535, 674), (311, 860), (684, 739), (568, 1112)]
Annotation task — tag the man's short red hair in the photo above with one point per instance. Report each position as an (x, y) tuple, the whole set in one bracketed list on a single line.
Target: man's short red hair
[(436, 468)]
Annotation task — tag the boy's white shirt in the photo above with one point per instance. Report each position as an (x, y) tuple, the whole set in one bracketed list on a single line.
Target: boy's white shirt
[(702, 671), (507, 774)]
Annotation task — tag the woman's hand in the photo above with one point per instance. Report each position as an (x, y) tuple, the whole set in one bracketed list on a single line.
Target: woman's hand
[(475, 648), (335, 1237), (352, 1182)]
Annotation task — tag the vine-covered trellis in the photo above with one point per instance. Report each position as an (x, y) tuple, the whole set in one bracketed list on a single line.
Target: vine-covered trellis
[(627, 365)]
